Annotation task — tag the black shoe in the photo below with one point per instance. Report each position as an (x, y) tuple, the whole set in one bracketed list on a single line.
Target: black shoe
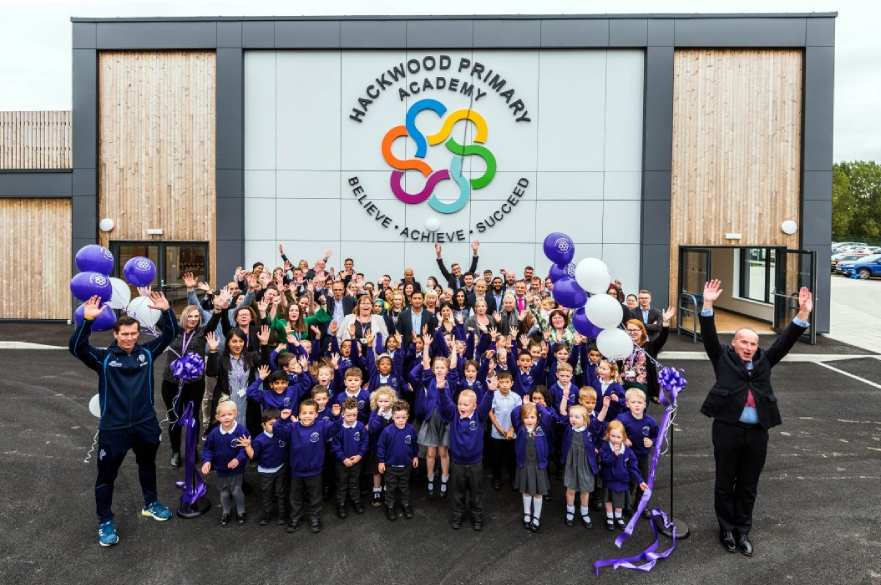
[(744, 546), (264, 520), (292, 526), (408, 512), (430, 487), (585, 520), (341, 511), (224, 519), (535, 526), (726, 537), (281, 521), (456, 523), (315, 525), (391, 514), (477, 525), (241, 518), (377, 500), (620, 523), (570, 522), (497, 484), (527, 521), (358, 508), (443, 489), (610, 525), (175, 459)]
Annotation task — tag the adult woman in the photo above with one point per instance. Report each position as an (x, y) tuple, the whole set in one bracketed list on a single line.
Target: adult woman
[(175, 394), (639, 371), (631, 301), (431, 283), (431, 301), (408, 292), (461, 309), (560, 330), (297, 323), (245, 320), (235, 368), (393, 313), (480, 319), (362, 321)]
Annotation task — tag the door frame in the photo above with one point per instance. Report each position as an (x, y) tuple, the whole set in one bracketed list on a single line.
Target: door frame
[(114, 245)]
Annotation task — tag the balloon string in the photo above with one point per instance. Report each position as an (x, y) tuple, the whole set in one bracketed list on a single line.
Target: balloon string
[(92, 447), (172, 410)]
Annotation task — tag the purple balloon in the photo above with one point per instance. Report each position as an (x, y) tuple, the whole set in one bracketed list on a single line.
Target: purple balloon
[(139, 271), (85, 285), (557, 271), (583, 325), (95, 258), (567, 292), (105, 320), (559, 248)]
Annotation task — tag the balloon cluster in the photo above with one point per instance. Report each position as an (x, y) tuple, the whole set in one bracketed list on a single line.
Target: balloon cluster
[(188, 367), (95, 264), (582, 287)]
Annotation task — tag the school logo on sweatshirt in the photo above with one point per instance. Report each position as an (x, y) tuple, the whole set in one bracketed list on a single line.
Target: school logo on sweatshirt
[(472, 425), (646, 430), (357, 437), (408, 439), (314, 437)]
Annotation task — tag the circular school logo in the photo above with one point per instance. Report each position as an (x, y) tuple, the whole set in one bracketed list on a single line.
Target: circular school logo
[(287, 401), (357, 437), (444, 139), (142, 358), (562, 244), (143, 264), (101, 280), (408, 439), (646, 431), (360, 405), (281, 444), (314, 437), (472, 425), (539, 432)]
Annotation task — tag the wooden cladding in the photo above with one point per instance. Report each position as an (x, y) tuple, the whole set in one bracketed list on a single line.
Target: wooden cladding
[(736, 148), (35, 140), (35, 254), (156, 145)]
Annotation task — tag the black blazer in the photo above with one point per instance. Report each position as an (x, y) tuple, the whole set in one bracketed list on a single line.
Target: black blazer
[(491, 306), (455, 282), (405, 324), (348, 304), (728, 395), (218, 365), (653, 325), (391, 320)]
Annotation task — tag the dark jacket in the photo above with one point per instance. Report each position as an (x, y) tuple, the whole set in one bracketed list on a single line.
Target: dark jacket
[(405, 324), (218, 365), (195, 345), (653, 324), (728, 395), (456, 282), (348, 304), (125, 380)]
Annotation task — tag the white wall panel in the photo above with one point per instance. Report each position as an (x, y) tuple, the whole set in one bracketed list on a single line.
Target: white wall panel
[(581, 153)]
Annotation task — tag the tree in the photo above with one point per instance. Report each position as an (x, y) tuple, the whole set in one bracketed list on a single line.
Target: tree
[(856, 201)]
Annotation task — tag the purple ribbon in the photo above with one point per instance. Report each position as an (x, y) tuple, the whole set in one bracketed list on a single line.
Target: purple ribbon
[(672, 382), (188, 367), (193, 487)]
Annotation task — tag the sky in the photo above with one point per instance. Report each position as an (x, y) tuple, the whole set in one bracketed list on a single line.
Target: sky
[(35, 38)]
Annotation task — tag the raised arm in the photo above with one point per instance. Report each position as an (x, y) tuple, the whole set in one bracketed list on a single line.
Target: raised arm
[(712, 292), (440, 263), (475, 245), (169, 325), (793, 331), (79, 342)]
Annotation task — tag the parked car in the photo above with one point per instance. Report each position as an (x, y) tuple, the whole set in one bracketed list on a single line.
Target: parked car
[(837, 259), (842, 246), (864, 268)]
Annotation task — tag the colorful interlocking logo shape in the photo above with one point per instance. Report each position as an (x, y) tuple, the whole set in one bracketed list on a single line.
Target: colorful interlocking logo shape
[(459, 151)]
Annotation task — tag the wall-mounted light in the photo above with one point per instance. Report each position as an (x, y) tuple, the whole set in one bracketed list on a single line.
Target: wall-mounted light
[(789, 227), (106, 224)]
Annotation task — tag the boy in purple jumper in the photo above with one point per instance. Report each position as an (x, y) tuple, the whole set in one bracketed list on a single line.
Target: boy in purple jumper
[(466, 422), (349, 446), (224, 451), (270, 453), (397, 452), (307, 438)]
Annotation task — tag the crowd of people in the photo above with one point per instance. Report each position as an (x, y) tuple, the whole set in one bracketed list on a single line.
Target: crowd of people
[(320, 383)]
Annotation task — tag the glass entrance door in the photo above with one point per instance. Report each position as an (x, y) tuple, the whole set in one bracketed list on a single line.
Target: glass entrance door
[(172, 259), (794, 269), (694, 272)]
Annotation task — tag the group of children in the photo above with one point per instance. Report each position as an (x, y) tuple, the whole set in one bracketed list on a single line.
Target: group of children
[(362, 413)]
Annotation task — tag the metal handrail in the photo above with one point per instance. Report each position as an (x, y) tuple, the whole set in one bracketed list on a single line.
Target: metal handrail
[(690, 299)]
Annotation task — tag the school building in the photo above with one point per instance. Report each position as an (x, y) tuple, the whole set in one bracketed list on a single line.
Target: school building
[(675, 147)]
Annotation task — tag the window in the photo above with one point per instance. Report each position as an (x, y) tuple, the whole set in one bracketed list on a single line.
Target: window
[(757, 274)]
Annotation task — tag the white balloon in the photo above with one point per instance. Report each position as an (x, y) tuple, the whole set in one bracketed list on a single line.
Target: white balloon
[(615, 344), (122, 294), (140, 310), (432, 223), (604, 311), (95, 406), (592, 275)]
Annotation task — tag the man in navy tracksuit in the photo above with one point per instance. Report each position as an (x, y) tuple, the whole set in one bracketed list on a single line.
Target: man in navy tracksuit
[(128, 419)]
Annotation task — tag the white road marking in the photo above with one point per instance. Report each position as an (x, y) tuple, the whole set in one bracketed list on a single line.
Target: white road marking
[(27, 345), (849, 375)]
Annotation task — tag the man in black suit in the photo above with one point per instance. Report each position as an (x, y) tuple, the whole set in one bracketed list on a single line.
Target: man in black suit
[(649, 316), (339, 304), (409, 278), (415, 319), (743, 407), (454, 277)]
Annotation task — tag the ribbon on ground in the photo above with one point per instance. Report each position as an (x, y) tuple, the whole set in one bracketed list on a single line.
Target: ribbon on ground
[(672, 382), (193, 487)]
